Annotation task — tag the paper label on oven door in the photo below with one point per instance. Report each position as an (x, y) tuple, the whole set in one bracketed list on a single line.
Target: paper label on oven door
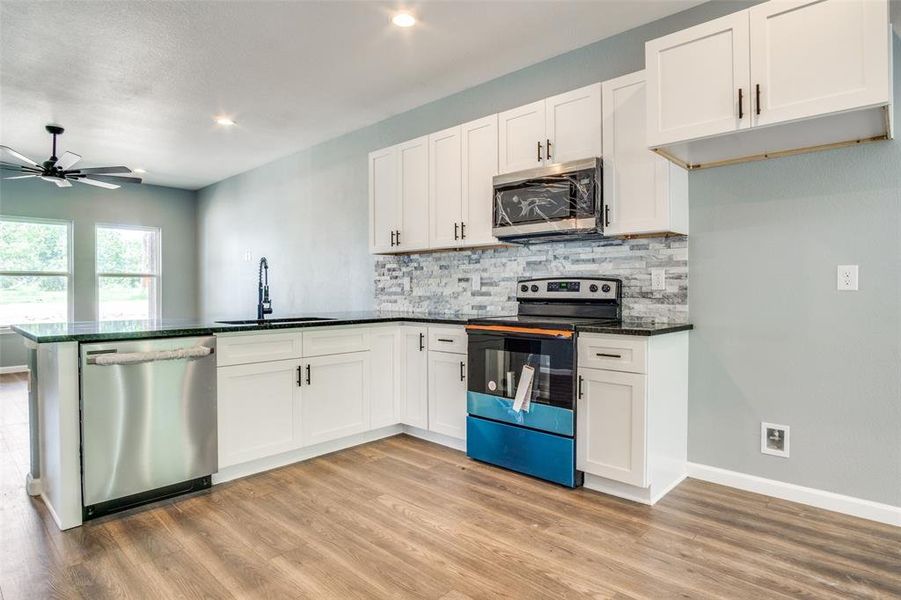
[(523, 398)]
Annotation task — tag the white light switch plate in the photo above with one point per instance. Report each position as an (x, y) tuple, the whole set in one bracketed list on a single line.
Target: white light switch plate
[(847, 278), (658, 279)]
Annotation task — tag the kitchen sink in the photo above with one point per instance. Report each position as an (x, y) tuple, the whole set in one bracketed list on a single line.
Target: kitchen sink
[(285, 320)]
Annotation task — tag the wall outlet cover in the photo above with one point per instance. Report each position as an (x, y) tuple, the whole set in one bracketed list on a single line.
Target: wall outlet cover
[(658, 279), (774, 439), (847, 278)]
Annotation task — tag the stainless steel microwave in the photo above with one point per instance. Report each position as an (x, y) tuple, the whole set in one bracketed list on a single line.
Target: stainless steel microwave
[(556, 202)]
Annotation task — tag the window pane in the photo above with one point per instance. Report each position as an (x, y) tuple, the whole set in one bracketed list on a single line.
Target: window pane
[(124, 298), (126, 250), (33, 299), (34, 246)]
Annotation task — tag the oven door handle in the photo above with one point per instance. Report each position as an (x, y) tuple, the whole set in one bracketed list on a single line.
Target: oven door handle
[(514, 330)]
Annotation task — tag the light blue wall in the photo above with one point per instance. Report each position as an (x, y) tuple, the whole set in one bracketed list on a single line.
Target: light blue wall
[(774, 341), (173, 210)]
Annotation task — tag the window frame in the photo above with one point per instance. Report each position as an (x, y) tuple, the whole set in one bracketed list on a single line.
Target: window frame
[(156, 301), (69, 274)]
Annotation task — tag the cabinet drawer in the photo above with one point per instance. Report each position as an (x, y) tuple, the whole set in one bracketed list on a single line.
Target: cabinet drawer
[(613, 352), (258, 347), (447, 339), (335, 341)]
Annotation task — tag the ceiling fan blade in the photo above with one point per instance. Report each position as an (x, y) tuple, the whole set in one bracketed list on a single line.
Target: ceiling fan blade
[(111, 178), (103, 170), (103, 184), (21, 168), (15, 154), (20, 177), (67, 161)]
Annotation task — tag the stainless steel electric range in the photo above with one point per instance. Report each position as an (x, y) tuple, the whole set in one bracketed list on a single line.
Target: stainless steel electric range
[(521, 399)]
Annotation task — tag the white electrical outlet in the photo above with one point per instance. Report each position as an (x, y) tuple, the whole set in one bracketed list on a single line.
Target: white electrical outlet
[(774, 439), (847, 278), (658, 279), (248, 256)]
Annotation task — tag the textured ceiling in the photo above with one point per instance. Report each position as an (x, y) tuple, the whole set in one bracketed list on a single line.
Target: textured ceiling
[(137, 82)]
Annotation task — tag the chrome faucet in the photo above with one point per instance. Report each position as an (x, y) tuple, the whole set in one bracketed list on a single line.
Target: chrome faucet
[(264, 304)]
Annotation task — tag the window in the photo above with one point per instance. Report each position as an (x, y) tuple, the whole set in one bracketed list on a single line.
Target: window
[(35, 271), (128, 272)]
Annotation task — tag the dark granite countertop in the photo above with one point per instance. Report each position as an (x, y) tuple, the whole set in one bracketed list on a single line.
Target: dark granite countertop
[(98, 331)]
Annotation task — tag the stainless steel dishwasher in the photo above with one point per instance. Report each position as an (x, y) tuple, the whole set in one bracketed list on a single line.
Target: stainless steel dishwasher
[(148, 421)]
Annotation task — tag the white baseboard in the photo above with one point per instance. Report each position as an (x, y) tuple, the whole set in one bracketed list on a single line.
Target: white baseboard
[(849, 505), (14, 369), (438, 438)]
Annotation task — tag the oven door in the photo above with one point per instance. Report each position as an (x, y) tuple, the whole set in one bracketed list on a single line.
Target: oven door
[(497, 355), (557, 199)]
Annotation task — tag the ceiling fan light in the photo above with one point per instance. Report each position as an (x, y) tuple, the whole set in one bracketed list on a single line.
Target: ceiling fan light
[(224, 121), (404, 19)]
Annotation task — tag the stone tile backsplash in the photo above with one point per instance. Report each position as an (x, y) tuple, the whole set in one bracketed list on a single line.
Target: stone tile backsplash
[(485, 280)]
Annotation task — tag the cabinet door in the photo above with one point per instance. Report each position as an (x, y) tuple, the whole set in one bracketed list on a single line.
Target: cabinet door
[(385, 372), (636, 180), (445, 193), (521, 138), (816, 57), (259, 410), (335, 397), (413, 185), (573, 125), (479, 168), (611, 426), (383, 199), (694, 79), (447, 394), (414, 378)]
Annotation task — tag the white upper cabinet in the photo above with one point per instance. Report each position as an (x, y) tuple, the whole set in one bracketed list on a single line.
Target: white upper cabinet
[(479, 141), (445, 188), (383, 199), (521, 137), (643, 192), (413, 194), (810, 58), (821, 69), (573, 125), (698, 81), (558, 129)]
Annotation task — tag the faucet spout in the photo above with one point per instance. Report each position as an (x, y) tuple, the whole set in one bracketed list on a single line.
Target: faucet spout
[(264, 304)]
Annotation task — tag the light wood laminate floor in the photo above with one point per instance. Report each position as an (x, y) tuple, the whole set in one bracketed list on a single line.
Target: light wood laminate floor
[(404, 518)]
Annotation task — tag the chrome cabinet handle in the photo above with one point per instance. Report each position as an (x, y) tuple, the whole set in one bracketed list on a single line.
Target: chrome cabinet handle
[(580, 387), (606, 215), (605, 355)]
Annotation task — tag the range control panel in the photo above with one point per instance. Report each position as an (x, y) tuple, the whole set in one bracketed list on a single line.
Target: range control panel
[(574, 288)]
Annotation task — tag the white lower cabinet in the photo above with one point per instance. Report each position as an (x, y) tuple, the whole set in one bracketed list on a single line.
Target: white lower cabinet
[(632, 415), (335, 397), (414, 384), (385, 373), (259, 410), (611, 434), (447, 394)]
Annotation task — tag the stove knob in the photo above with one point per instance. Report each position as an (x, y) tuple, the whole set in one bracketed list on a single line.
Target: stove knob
[(605, 288), (592, 288), (534, 288), (523, 288)]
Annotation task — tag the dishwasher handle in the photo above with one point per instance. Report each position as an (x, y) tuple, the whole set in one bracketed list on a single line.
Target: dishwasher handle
[(105, 359)]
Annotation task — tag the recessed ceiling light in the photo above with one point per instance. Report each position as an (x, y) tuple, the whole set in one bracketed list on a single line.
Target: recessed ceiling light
[(139, 170), (404, 19), (227, 122)]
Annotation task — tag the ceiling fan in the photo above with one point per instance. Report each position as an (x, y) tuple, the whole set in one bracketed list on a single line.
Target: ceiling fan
[(60, 171)]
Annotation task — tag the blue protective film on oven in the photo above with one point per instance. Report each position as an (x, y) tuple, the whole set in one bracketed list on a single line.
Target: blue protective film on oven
[(540, 416)]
